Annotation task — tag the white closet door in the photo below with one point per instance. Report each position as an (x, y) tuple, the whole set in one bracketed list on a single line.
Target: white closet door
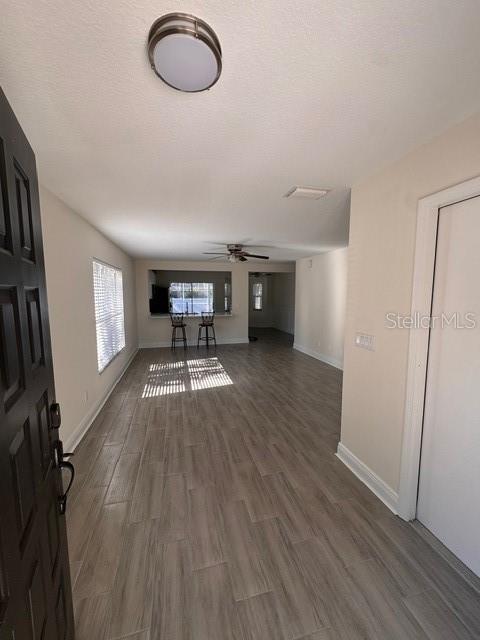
[(449, 490)]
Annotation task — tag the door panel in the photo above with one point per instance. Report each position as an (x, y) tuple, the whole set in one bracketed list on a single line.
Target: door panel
[(35, 592), (4, 591), (53, 535), (11, 361), (21, 463), (37, 356), (5, 224), (36, 600), (43, 428), (450, 463), (24, 212)]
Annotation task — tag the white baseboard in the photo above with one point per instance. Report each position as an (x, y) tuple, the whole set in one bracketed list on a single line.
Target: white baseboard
[(385, 493), (319, 356), (157, 344), (72, 442)]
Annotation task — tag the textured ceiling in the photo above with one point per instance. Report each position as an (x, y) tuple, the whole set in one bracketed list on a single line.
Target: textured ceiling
[(312, 93)]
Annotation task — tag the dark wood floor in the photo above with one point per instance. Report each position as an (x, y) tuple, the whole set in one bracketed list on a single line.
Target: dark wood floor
[(209, 505)]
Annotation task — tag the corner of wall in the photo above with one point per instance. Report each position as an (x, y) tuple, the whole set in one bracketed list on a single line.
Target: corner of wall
[(380, 488), (338, 364)]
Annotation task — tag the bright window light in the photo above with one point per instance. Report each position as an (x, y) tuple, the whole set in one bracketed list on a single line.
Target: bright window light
[(192, 298), (109, 317), (228, 296), (187, 375), (258, 296)]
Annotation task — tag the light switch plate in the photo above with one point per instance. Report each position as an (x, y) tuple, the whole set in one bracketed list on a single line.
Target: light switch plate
[(365, 341)]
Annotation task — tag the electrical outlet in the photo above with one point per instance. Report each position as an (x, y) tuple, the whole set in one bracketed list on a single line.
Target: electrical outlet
[(365, 341)]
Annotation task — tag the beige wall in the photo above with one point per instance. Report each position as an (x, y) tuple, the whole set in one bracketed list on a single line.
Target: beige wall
[(283, 302), (70, 243), (155, 331), (320, 294), (380, 271)]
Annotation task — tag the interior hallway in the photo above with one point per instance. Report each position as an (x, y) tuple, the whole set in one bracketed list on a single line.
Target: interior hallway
[(209, 505)]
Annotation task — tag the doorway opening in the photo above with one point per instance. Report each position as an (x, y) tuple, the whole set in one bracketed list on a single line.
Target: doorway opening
[(443, 260), (271, 304)]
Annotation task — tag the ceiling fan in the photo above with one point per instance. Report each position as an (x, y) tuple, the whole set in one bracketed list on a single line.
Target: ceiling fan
[(236, 253)]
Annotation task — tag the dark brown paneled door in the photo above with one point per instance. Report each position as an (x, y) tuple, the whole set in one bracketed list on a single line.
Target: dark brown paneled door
[(35, 592)]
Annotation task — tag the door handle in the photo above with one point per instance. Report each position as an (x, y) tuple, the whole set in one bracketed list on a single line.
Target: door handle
[(62, 499), (62, 463)]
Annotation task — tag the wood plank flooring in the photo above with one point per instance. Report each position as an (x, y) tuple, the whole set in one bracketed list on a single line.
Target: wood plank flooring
[(209, 505)]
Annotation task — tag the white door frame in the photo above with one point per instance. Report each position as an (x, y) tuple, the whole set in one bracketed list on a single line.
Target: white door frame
[(423, 274)]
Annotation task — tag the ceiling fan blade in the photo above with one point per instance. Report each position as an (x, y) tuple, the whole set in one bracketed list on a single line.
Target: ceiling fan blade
[(242, 259), (253, 255), (214, 253), (216, 258), (227, 242)]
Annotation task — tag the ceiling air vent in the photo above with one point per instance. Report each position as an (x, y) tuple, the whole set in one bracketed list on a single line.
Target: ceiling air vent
[(310, 193)]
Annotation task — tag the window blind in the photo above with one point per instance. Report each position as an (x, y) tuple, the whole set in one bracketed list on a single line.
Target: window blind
[(109, 317)]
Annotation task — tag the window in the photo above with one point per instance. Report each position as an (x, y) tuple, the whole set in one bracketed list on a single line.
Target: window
[(109, 318), (189, 292), (257, 296), (228, 296), (191, 297)]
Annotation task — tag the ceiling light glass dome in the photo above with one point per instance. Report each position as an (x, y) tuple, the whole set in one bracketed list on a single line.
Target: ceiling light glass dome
[(184, 52)]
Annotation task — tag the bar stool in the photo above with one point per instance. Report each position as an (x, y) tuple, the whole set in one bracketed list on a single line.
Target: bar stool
[(206, 323), (178, 323)]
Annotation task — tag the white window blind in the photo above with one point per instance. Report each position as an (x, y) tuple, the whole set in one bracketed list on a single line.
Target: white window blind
[(109, 318)]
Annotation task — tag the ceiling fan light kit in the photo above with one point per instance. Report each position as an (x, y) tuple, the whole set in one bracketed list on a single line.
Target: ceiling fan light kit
[(184, 52), (236, 253)]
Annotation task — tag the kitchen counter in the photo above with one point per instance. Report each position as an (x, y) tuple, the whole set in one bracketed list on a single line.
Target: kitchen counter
[(167, 315)]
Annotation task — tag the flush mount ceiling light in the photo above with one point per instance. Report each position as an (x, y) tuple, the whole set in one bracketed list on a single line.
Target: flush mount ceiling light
[(184, 52), (310, 193)]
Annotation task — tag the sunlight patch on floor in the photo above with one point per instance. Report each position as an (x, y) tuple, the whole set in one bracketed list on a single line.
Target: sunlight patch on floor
[(185, 375)]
